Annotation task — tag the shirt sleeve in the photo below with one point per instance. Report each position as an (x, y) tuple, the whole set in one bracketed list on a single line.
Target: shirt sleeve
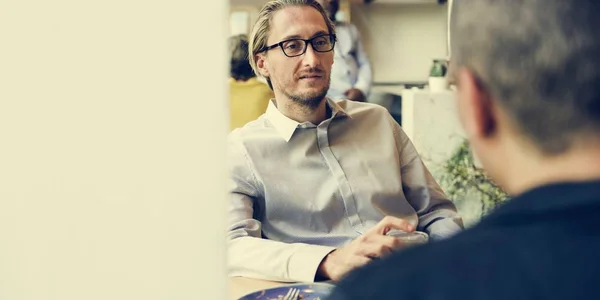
[(365, 74), (437, 214), (249, 255)]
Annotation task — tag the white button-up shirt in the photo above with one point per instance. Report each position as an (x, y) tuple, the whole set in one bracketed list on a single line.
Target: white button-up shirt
[(298, 190)]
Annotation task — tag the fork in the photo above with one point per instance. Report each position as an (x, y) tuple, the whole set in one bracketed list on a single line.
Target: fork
[(292, 294)]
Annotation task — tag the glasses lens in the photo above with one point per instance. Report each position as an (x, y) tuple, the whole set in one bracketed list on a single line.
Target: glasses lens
[(293, 47), (322, 43)]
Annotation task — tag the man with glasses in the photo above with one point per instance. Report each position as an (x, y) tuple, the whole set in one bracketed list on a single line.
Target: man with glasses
[(316, 184)]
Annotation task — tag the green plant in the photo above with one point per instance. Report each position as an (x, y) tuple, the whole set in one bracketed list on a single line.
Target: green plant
[(462, 180), (439, 68)]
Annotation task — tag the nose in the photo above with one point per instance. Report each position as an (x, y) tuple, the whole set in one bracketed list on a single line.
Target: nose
[(311, 57)]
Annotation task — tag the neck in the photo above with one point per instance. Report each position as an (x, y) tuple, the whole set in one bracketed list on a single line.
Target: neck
[(302, 113), (528, 172)]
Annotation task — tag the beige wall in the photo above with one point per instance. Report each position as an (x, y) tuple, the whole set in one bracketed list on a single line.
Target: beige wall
[(402, 39), (450, 2), (112, 159), (252, 7)]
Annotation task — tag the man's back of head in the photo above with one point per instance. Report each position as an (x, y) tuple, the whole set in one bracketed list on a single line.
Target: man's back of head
[(528, 74)]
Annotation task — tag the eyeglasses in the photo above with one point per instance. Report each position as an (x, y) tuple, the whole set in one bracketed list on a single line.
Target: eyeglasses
[(297, 47)]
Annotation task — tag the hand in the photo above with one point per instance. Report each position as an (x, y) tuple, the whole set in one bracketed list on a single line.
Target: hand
[(372, 244), (355, 95)]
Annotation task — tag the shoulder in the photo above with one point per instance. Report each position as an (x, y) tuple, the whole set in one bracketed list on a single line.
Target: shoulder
[(242, 146), (251, 131), (372, 116), (355, 107)]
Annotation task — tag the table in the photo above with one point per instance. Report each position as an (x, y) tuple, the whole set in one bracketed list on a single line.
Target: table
[(240, 286)]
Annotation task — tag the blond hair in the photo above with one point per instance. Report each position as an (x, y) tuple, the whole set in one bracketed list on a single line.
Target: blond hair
[(262, 27)]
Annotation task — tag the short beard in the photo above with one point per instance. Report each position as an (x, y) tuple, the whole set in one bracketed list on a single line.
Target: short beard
[(309, 101)]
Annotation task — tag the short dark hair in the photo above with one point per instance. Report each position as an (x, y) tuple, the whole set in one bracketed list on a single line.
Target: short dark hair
[(539, 60), (240, 68)]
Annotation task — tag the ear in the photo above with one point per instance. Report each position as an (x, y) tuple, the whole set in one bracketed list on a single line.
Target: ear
[(261, 64), (474, 106)]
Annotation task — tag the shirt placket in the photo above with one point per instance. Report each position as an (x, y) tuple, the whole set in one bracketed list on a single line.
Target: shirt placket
[(340, 177)]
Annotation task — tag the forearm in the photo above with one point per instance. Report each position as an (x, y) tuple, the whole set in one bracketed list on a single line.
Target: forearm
[(444, 227), (437, 214), (271, 260), (441, 220)]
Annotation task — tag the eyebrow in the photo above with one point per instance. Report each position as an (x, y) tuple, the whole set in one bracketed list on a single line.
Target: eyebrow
[(296, 36)]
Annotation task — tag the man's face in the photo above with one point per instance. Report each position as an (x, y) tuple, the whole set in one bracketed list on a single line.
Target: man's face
[(303, 79)]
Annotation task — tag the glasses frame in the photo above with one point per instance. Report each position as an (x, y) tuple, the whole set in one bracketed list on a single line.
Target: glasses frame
[(332, 38)]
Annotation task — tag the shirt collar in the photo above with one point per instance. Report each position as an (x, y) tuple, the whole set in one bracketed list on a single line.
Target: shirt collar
[(286, 126)]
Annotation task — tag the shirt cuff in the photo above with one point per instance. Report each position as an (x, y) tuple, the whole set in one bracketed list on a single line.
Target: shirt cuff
[(303, 264), (444, 228)]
